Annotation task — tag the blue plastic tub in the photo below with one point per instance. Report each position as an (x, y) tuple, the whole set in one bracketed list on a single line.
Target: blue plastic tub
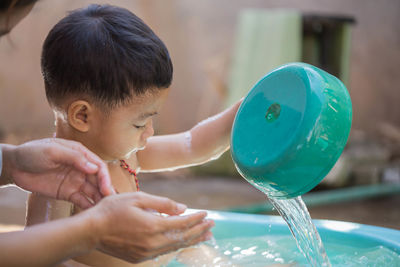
[(270, 241)]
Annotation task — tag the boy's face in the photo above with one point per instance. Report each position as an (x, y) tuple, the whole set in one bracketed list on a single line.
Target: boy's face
[(126, 129)]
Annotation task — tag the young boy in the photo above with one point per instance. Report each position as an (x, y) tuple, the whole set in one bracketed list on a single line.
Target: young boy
[(106, 76)]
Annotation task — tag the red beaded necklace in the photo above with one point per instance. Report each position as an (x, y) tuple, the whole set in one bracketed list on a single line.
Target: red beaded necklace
[(131, 171)]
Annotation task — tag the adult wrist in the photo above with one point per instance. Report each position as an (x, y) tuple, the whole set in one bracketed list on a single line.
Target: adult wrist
[(94, 223)]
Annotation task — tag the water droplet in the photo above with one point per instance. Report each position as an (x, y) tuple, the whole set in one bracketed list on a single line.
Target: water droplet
[(217, 259), (227, 252)]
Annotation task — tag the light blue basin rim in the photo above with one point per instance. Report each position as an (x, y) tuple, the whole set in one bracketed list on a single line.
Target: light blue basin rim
[(232, 225)]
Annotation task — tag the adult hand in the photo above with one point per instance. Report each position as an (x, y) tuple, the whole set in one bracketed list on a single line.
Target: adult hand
[(120, 225), (58, 168), (127, 227)]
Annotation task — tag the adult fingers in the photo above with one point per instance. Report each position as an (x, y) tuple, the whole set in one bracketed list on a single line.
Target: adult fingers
[(104, 181), (91, 191), (92, 179), (173, 245), (160, 204), (86, 161), (68, 156), (101, 181), (189, 233), (197, 230), (80, 200), (103, 176), (80, 148), (184, 222), (182, 237), (205, 236)]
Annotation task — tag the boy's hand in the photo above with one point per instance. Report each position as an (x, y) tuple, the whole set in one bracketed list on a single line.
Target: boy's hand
[(128, 230), (58, 168)]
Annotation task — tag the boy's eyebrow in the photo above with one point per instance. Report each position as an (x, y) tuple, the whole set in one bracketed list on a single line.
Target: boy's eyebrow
[(147, 114)]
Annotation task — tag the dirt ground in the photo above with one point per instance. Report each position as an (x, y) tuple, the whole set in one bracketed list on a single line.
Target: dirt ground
[(222, 193)]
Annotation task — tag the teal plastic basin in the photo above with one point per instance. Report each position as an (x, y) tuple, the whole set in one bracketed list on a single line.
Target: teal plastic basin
[(347, 244), (263, 240), (230, 224), (290, 129)]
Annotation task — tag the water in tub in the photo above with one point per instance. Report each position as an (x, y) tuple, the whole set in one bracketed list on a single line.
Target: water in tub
[(276, 249)]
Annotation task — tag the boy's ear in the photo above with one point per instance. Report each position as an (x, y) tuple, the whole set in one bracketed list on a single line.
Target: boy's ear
[(79, 115)]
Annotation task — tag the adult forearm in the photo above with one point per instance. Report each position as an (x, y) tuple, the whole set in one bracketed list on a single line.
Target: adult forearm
[(48, 244), (7, 161)]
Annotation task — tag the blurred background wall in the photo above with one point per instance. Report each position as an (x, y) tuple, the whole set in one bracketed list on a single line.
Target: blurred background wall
[(200, 36)]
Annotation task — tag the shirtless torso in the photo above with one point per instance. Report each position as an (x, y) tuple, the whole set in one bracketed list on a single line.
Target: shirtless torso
[(42, 209)]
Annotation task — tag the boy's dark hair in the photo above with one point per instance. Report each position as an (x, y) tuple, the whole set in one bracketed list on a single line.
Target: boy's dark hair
[(105, 53)]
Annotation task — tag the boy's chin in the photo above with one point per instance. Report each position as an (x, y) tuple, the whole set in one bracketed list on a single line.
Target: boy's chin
[(133, 151)]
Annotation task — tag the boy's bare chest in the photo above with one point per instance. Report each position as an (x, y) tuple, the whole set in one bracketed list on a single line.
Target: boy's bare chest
[(122, 180)]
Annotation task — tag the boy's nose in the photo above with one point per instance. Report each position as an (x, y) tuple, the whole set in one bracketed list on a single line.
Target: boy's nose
[(149, 131)]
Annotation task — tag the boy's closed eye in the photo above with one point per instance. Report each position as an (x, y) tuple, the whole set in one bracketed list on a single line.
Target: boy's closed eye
[(139, 126), (144, 116)]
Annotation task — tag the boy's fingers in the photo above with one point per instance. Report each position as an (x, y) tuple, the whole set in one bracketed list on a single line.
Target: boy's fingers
[(160, 204)]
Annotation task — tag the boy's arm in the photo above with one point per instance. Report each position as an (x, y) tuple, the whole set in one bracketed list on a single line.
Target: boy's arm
[(205, 141)]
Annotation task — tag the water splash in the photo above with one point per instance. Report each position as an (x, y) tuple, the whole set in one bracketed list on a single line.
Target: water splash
[(281, 250), (296, 215)]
